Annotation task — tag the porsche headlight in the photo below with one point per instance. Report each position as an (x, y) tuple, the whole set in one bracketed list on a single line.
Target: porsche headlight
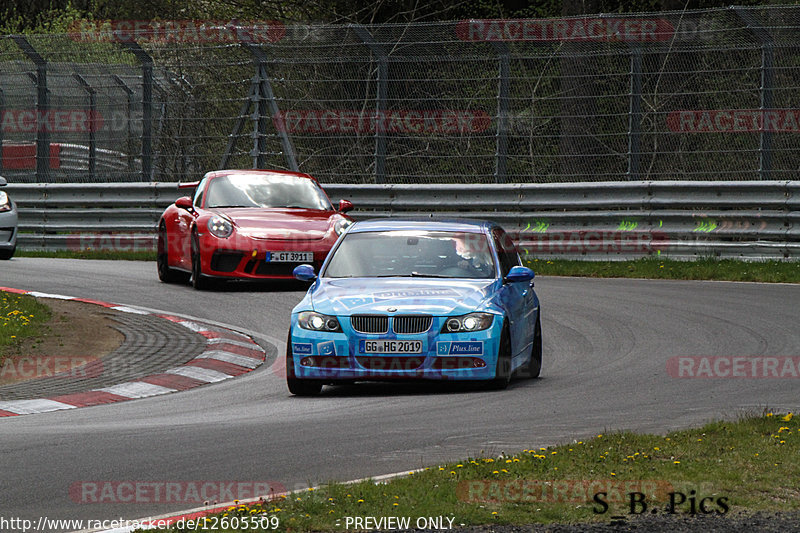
[(340, 225), (220, 227), (5, 202), (318, 322), (465, 323)]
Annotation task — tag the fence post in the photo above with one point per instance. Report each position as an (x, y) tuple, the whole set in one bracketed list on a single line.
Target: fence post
[(380, 99), (42, 107), (635, 114), (128, 112), (504, 74), (92, 124), (767, 86), (147, 107), (266, 97), (2, 113)]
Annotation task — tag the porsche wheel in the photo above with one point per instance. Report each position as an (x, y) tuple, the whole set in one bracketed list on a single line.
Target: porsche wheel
[(502, 372), (298, 387), (199, 281), (7, 254), (165, 273)]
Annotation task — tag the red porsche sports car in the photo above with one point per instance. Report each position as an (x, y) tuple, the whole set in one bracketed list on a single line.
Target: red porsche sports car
[(247, 224)]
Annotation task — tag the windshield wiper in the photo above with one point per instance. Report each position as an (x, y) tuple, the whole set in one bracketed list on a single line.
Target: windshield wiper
[(420, 275), (412, 275), (229, 206)]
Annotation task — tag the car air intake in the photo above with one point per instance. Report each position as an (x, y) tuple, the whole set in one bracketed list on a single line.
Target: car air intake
[(412, 323), (370, 323)]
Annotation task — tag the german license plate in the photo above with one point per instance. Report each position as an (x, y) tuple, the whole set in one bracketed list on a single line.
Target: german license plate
[(290, 257), (390, 346)]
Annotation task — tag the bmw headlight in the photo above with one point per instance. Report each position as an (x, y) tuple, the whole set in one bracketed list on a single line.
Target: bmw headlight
[(470, 322), (318, 322), (220, 227), (5, 202), (340, 225)]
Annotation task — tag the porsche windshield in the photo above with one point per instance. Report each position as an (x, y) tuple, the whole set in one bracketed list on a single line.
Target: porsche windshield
[(265, 190), (427, 254)]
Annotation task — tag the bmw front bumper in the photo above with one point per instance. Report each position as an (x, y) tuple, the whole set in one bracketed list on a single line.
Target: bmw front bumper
[(342, 356)]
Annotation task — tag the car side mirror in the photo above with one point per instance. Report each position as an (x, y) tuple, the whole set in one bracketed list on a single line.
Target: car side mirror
[(519, 273), (345, 206), (184, 202), (3, 182), (304, 273)]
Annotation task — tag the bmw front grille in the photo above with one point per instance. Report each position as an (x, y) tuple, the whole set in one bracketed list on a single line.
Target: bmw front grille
[(401, 324)]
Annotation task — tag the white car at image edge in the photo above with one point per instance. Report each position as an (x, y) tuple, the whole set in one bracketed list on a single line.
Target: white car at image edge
[(8, 224)]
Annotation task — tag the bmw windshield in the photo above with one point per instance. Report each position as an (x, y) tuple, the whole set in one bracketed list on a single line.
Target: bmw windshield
[(430, 254), (265, 190)]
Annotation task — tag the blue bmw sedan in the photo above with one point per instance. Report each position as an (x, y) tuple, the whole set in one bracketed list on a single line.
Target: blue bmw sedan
[(416, 299)]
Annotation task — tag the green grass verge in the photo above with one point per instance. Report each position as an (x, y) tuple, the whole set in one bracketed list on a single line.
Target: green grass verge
[(747, 464), (711, 269), (21, 317)]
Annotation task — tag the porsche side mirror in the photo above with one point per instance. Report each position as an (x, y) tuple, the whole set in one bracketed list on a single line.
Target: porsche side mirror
[(345, 206), (304, 273), (184, 202), (519, 273), (3, 182)]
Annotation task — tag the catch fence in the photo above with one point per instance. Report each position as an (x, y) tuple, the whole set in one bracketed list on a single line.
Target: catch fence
[(682, 95)]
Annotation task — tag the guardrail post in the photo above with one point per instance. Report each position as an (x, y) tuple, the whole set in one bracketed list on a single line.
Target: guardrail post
[(147, 107), (128, 113), (767, 86), (504, 75), (635, 114), (380, 100), (266, 97), (92, 124), (42, 107)]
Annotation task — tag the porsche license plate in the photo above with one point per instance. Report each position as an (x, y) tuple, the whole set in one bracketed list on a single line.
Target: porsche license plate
[(290, 257), (390, 346)]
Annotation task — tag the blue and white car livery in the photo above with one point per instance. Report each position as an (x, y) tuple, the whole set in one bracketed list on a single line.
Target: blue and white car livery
[(416, 299)]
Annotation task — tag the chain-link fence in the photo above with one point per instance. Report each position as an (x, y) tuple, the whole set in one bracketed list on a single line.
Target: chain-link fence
[(709, 94)]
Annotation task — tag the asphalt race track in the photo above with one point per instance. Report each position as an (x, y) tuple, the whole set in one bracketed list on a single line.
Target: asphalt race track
[(606, 346)]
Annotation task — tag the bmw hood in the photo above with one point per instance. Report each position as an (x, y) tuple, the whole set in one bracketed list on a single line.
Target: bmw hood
[(438, 297)]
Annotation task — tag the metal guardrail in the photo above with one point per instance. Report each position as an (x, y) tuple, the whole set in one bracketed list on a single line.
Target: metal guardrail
[(752, 219)]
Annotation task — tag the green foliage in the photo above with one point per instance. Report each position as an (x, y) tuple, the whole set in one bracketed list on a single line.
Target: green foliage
[(751, 463), (20, 317)]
